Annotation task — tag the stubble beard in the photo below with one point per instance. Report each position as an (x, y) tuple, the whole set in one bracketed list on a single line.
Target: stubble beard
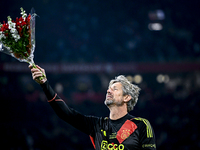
[(109, 102)]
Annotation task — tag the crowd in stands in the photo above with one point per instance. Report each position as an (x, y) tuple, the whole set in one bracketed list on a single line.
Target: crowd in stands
[(112, 31)]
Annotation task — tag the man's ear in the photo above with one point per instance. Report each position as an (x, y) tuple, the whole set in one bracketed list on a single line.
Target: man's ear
[(127, 98)]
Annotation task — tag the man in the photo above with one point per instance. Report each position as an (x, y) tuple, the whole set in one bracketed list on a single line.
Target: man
[(121, 131)]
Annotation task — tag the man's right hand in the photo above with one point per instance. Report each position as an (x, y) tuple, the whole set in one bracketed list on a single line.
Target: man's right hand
[(37, 73)]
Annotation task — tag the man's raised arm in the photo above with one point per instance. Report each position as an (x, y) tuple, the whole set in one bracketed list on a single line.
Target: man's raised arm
[(69, 115)]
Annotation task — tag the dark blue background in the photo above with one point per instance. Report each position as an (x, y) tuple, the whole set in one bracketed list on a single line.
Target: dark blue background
[(102, 31)]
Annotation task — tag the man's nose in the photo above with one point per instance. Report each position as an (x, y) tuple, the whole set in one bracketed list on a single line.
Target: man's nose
[(109, 90)]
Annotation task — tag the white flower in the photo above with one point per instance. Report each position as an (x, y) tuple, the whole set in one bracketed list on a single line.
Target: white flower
[(9, 21), (17, 37), (14, 36), (12, 27), (2, 35), (23, 13), (13, 30)]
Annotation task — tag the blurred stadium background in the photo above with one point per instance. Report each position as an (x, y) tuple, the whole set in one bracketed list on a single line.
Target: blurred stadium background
[(83, 44)]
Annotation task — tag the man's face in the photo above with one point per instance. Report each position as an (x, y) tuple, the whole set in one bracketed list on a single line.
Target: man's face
[(114, 95)]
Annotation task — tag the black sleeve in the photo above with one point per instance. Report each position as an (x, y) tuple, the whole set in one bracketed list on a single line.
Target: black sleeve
[(82, 122), (147, 136)]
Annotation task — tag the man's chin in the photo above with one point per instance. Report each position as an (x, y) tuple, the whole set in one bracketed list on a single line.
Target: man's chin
[(108, 102)]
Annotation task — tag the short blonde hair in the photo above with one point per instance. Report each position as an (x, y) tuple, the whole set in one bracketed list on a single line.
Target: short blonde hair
[(128, 89)]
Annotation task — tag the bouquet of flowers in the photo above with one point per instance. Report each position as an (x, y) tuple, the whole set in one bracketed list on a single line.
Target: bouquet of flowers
[(17, 38)]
